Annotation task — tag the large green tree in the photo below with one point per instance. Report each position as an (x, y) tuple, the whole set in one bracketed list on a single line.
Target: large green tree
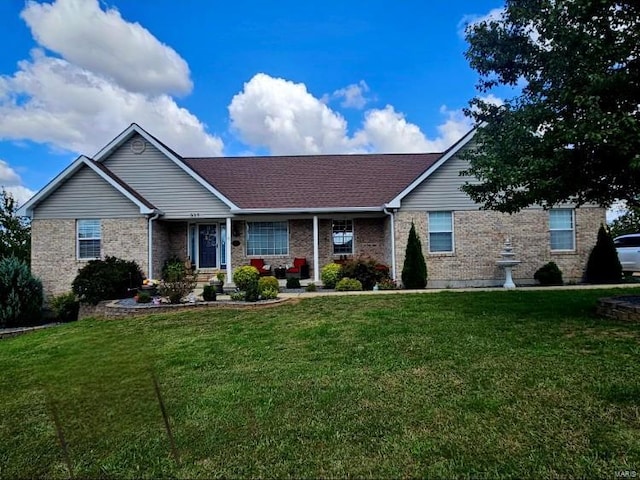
[(572, 130), (15, 231)]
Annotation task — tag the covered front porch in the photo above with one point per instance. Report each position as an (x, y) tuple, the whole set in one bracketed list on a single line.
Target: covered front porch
[(223, 244)]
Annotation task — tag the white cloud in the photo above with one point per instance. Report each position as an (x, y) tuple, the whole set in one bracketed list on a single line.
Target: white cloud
[(52, 101), (285, 118), (11, 183), (353, 95), (106, 44)]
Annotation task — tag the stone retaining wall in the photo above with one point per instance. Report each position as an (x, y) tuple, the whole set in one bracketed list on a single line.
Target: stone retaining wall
[(619, 308)]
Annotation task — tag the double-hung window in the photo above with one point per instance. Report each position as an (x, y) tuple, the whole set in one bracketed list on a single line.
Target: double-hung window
[(342, 237), (440, 232), (562, 229), (267, 238), (89, 238)]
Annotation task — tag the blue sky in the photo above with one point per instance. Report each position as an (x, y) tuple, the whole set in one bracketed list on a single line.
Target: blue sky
[(229, 78)]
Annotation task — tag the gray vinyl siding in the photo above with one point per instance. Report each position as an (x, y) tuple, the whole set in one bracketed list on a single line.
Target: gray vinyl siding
[(441, 190), (86, 195), (164, 184)]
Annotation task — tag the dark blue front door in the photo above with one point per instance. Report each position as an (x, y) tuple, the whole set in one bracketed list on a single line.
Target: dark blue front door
[(207, 246)]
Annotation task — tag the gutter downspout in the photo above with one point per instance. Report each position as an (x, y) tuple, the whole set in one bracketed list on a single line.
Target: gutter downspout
[(392, 221), (150, 244)]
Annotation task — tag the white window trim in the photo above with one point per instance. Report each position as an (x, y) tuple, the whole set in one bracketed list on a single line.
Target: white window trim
[(353, 241), (246, 240), (78, 257), (453, 234), (573, 231)]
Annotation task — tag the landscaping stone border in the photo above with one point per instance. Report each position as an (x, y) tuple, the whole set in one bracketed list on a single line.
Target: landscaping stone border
[(112, 309), (622, 307)]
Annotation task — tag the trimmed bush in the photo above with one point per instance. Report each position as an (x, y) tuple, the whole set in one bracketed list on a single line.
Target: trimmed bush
[(209, 293), (347, 284), (245, 276), (108, 279), (330, 274), (603, 265), (293, 282), (65, 307), (367, 270), (144, 297), (414, 270), (20, 294), (268, 282), (311, 287), (269, 293), (237, 296), (549, 274)]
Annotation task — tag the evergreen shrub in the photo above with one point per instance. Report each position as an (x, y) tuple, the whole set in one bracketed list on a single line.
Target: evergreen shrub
[(414, 270), (603, 265), (20, 294), (108, 279), (549, 274)]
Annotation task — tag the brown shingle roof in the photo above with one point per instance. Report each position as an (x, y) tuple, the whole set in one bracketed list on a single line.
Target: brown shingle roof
[(313, 182)]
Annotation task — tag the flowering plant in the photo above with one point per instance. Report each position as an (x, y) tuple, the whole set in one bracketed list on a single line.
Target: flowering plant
[(151, 282)]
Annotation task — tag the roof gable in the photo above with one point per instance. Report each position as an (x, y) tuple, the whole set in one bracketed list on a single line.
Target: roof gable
[(133, 129), (145, 206)]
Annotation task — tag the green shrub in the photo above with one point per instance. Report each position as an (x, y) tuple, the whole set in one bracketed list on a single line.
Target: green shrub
[(245, 276), (209, 293), (603, 265), (107, 279), (20, 294), (366, 270), (174, 270), (237, 296), (65, 307), (414, 270), (330, 274), (347, 284), (269, 293), (549, 274), (293, 282), (176, 290), (268, 282), (144, 297), (311, 287)]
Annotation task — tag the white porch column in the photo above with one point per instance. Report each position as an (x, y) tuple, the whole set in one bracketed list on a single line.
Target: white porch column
[(228, 251), (316, 254)]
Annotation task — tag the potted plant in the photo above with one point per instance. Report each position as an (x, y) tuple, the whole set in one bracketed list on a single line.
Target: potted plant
[(219, 282)]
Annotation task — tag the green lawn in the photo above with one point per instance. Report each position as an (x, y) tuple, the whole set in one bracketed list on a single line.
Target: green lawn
[(482, 385)]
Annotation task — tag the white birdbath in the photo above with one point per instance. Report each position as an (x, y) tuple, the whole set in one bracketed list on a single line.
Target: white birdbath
[(507, 262)]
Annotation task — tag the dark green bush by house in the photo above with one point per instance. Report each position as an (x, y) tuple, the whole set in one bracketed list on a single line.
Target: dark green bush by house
[(65, 307), (366, 270), (549, 274), (209, 293), (603, 265), (414, 271), (293, 282), (20, 294), (107, 279)]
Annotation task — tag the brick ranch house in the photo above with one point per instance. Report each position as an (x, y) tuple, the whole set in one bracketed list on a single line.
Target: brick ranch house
[(137, 199)]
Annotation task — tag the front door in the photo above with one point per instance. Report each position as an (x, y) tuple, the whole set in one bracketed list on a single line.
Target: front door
[(207, 246)]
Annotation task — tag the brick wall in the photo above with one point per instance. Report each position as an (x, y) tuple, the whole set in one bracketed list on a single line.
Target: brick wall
[(169, 239), (479, 237), (53, 246), (370, 239)]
